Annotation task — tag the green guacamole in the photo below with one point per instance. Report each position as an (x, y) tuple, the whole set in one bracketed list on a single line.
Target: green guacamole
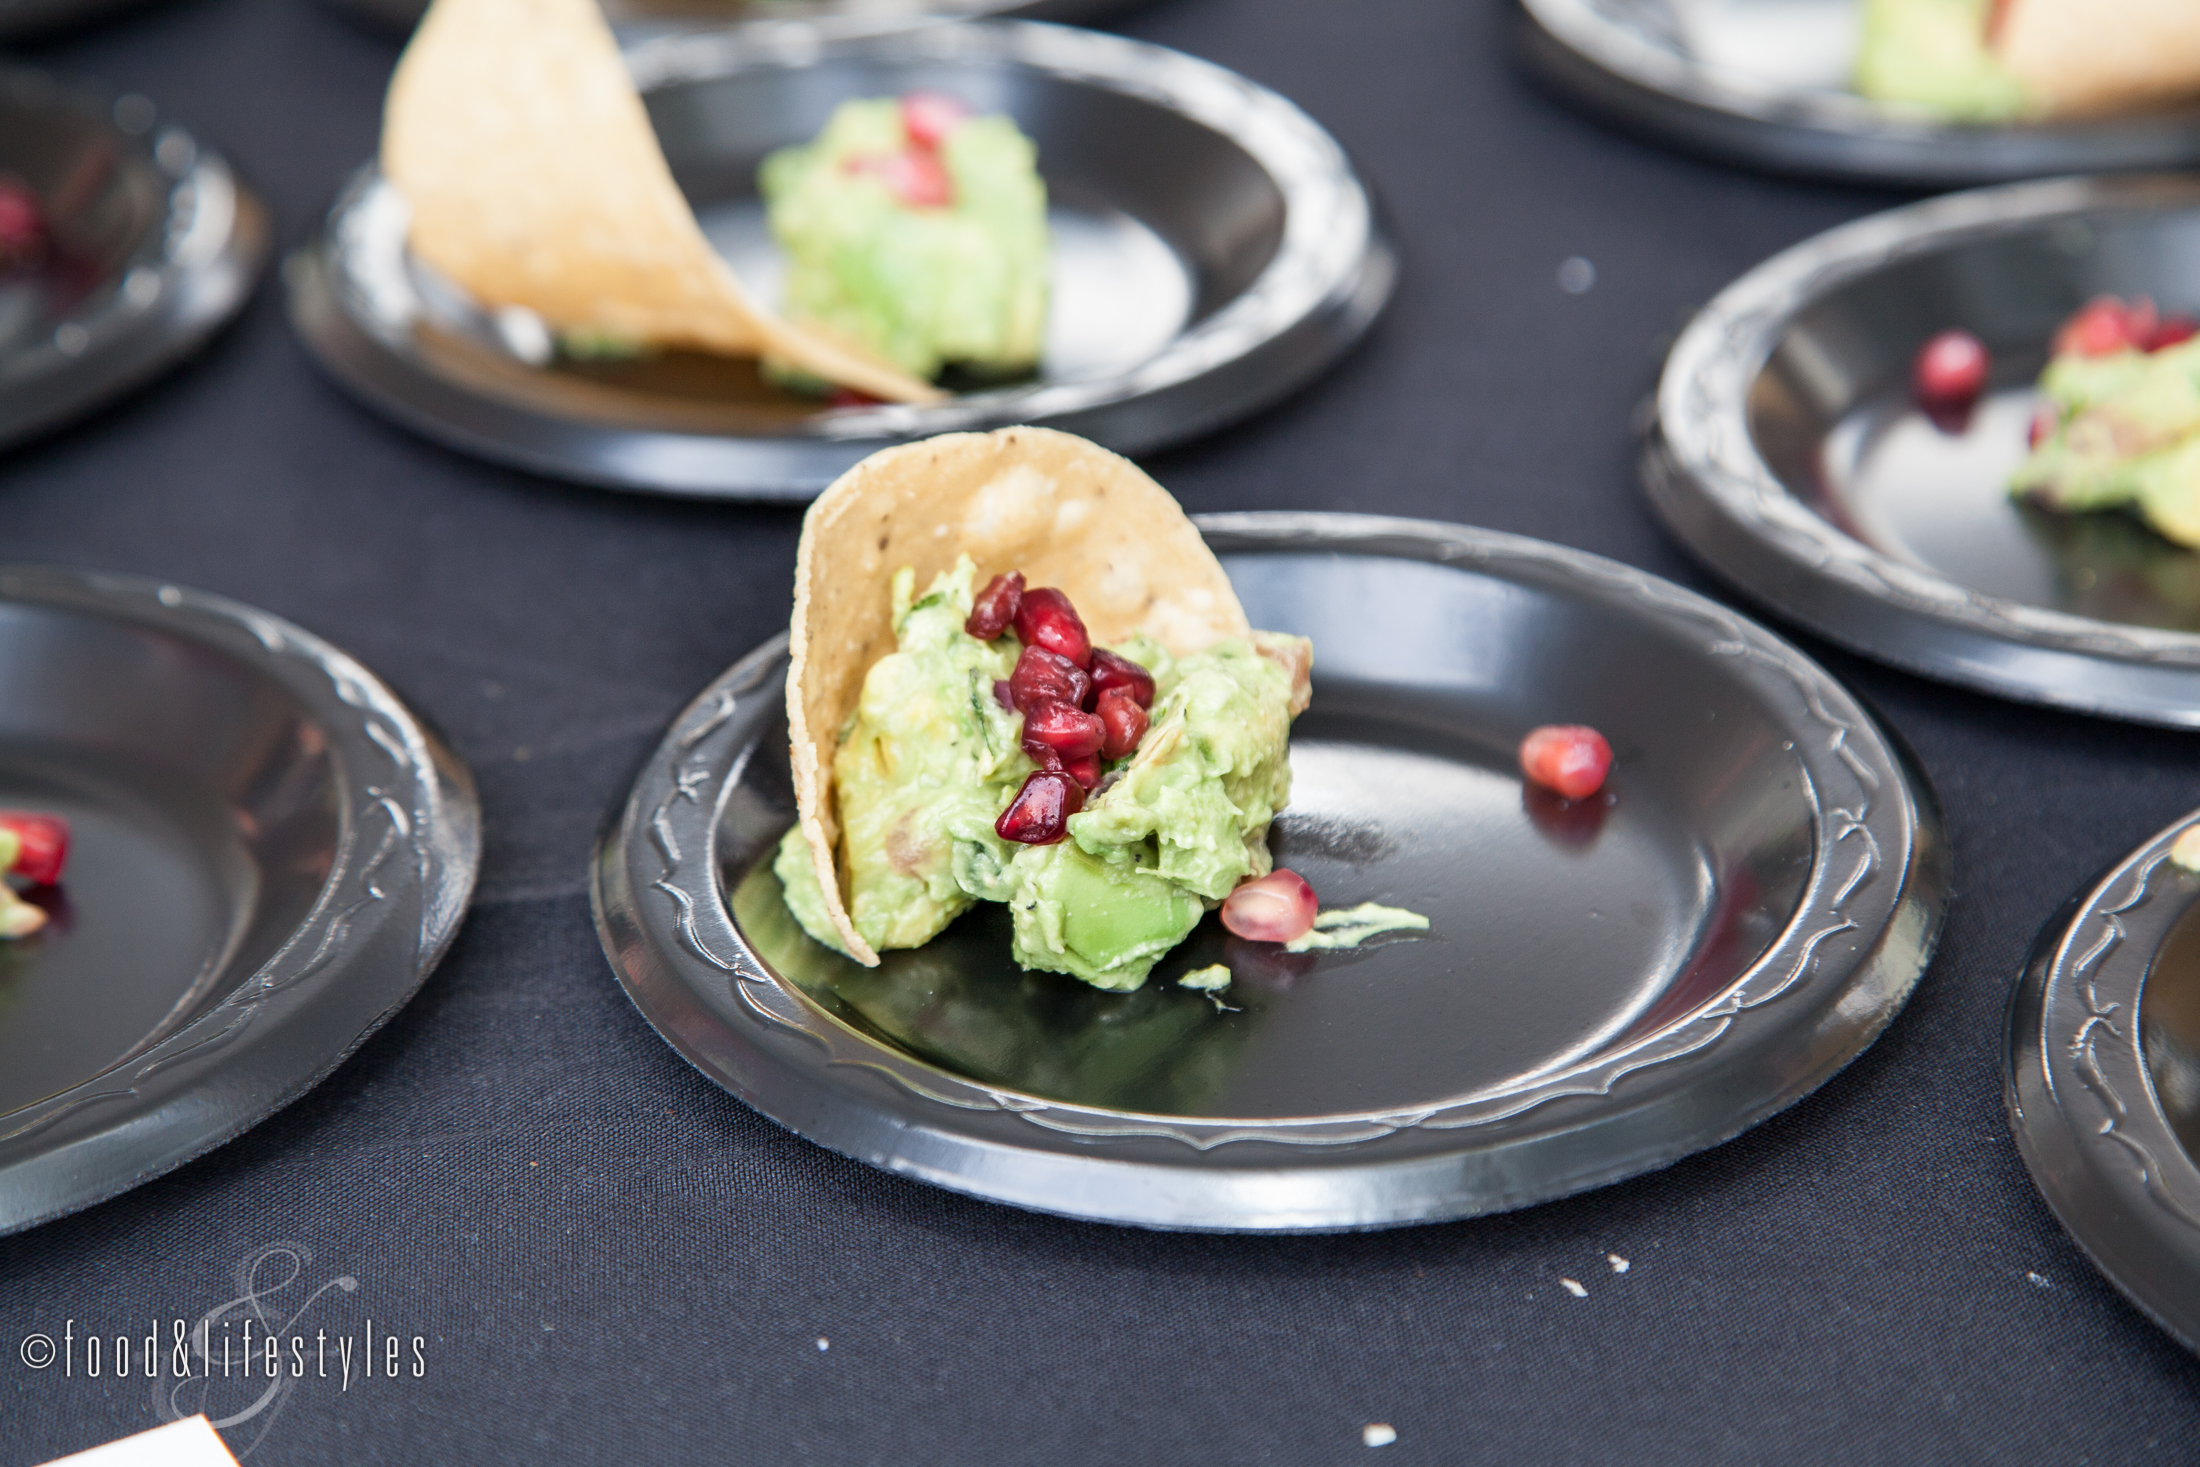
[(1932, 55), (923, 286), (2126, 435), (930, 759)]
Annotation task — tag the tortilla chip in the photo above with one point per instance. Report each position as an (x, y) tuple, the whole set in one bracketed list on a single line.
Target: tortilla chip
[(1065, 512), (516, 135), (2080, 57)]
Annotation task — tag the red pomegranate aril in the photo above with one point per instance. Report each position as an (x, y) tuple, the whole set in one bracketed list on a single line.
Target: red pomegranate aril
[(1124, 721), (2171, 331), (1085, 771), (22, 226), (1068, 730), (928, 117), (1046, 619), (2104, 327), (915, 176), (1039, 815), (1272, 908), (44, 848), (1112, 670), (1950, 372), (995, 606), (1047, 677), (1571, 758)]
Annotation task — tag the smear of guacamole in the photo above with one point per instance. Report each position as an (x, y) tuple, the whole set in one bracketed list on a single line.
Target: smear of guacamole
[(922, 287), (2127, 434), (1932, 54)]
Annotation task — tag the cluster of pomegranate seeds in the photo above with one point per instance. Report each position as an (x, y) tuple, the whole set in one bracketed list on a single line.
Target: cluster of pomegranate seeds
[(917, 176), (43, 849), (1571, 758), (1080, 704), (22, 227), (1273, 908), (1949, 374), (2106, 325)]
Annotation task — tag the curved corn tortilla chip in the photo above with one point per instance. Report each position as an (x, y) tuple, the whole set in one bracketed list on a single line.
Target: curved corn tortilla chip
[(2080, 57), (1065, 512), (517, 138)]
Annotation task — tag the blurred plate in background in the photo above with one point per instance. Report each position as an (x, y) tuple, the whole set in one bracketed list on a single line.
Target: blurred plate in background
[(1766, 82), (2103, 1078), (398, 17), (269, 855), (1789, 457), (1607, 985), (152, 246), (1213, 250)]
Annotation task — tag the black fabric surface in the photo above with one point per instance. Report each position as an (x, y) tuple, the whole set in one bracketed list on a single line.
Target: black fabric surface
[(609, 1260)]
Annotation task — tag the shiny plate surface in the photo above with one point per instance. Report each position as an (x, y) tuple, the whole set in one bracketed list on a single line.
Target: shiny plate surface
[(270, 854), (1787, 455), (1213, 251), (2103, 1078), (1606, 986), (157, 246), (1766, 82)]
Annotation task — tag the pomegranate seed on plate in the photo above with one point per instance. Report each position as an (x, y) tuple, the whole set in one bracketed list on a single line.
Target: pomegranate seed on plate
[(915, 176), (1950, 372), (1109, 670), (1068, 730), (44, 849), (1039, 815), (1046, 619), (1124, 721), (928, 117), (1042, 677), (1273, 908), (1571, 758), (995, 606), (22, 226)]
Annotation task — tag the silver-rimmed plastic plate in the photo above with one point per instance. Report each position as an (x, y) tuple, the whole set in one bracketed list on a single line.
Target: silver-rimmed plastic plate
[(1606, 986), (270, 854), (1213, 250), (158, 246), (827, 16), (1765, 82), (1788, 456), (2103, 1078)]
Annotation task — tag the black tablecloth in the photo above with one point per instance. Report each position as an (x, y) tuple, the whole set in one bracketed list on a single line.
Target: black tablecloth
[(607, 1259)]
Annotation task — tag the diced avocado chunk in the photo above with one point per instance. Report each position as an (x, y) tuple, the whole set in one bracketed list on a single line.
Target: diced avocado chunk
[(1105, 922), (1932, 54)]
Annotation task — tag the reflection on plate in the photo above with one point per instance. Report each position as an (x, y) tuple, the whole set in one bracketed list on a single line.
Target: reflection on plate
[(2103, 1079), (157, 245), (1605, 987), (269, 855), (1214, 251), (1786, 454), (1765, 82)]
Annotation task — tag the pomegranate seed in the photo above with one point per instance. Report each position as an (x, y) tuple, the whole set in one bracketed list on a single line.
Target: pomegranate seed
[(1064, 728), (45, 846), (915, 176), (1124, 721), (1571, 758), (2044, 423), (22, 226), (849, 397), (2171, 331), (928, 117), (1046, 619), (2104, 327), (1047, 677), (1085, 771), (996, 606), (1112, 671), (1950, 372), (1039, 815), (1273, 908)]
